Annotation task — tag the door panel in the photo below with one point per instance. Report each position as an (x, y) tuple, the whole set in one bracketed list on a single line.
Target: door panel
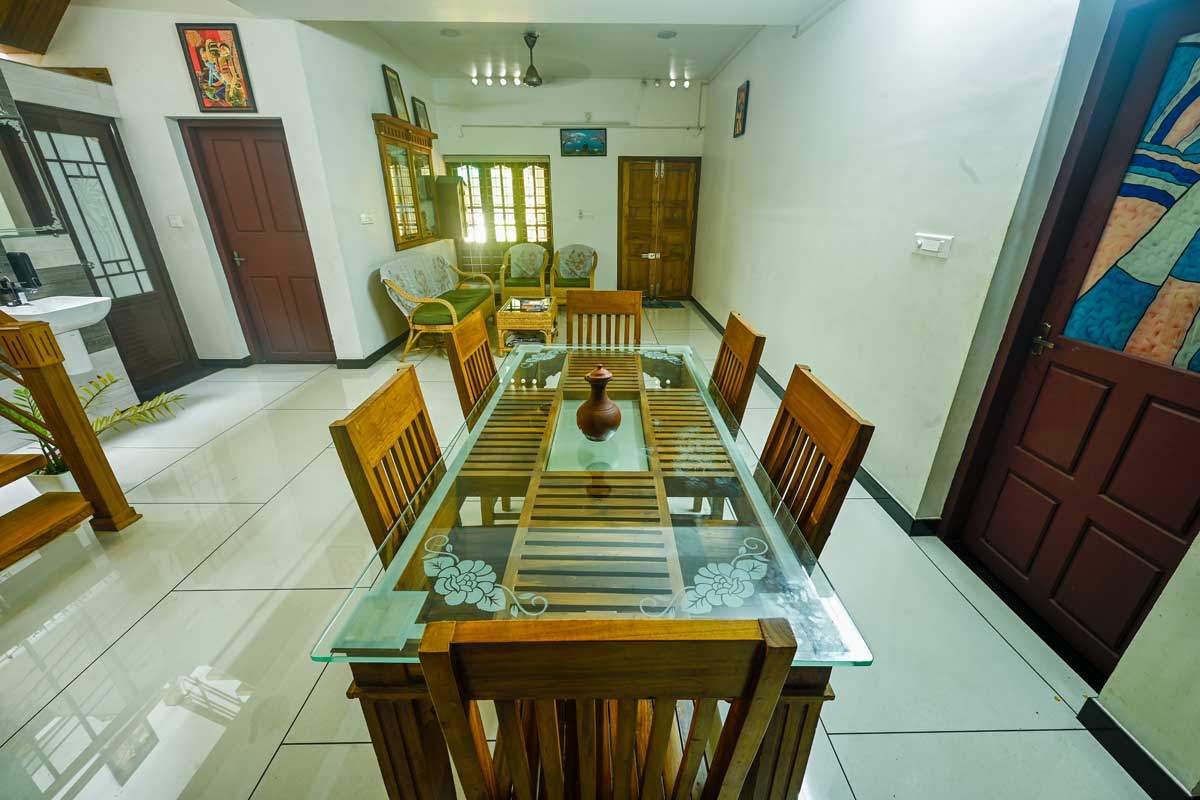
[(254, 208), (676, 223), (1091, 498), (658, 218), (90, 174), (638, 183)]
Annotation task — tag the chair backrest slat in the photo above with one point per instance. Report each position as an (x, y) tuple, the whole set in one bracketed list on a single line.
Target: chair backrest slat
[(388, 450), (605, 318), (737, 364), (812, 453), (471, 361), (619, 680)]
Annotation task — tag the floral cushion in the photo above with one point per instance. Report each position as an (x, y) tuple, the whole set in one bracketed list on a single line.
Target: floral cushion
[(525, 260), (575, 261), (421, 275)]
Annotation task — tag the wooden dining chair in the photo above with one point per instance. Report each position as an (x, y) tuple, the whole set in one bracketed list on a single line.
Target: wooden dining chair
[(388, 449), (812, 453), (586, 708), (737, 364), (471, 361), (604, 318)]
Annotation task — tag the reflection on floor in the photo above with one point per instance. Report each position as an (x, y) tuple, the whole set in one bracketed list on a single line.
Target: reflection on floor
[(171, 659)]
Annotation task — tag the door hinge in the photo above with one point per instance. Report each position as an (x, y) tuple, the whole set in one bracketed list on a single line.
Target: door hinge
[(1042, 343)]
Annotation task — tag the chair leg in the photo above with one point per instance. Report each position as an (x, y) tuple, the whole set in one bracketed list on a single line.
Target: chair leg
[(409, 342), (697, 505), (487, 511)]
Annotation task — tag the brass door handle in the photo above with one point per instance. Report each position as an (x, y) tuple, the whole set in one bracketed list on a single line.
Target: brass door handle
[(1042, 342)]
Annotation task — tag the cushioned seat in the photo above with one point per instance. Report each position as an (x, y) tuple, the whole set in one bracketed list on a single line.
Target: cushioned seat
[(573, 283), (464, 300), (535, 280)]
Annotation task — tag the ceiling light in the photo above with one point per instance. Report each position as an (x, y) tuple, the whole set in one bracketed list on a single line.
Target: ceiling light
[(666, 34), (532, 77), (686, 83), (672, 83), (516, 80), (451, 33), (474, 80), (488, 80), (503, 81), (657, 83)]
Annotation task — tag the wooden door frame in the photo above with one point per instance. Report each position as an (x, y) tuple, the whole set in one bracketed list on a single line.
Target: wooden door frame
[(621, 217), (190, 127), (153, 253), (1112, 74)]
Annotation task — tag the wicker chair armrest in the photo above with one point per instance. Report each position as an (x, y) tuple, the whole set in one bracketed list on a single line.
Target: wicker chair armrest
[(420, 301), (475, 275)]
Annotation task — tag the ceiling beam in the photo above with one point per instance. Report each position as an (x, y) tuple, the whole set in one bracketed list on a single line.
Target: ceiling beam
[(27, 26)]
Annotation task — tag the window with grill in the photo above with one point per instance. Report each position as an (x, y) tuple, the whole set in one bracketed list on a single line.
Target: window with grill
[(507, 199)]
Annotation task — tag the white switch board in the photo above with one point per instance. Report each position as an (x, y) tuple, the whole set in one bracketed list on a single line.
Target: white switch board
[(932, 244)]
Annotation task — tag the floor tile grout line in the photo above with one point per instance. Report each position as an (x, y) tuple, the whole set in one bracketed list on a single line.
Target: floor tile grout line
[(325, 744), (283, 738), (1060, 695), (837, 758), (223, 432), (956, 732)]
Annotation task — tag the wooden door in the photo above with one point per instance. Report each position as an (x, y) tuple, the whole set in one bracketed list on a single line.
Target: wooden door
[(1091, 495), (639, 182), (90, 174), (657, 225), (249, 190)]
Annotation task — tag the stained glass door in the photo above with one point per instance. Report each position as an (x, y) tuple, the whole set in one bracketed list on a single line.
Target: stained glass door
[(1089, 498)]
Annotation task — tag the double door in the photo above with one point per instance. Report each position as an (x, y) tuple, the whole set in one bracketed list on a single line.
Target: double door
[(657, 233)]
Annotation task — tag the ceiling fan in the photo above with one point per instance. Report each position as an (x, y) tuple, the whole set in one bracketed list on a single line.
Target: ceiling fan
[(532, 77)]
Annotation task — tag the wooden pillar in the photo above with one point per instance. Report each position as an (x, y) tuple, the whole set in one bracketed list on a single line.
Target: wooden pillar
[(31, 348)]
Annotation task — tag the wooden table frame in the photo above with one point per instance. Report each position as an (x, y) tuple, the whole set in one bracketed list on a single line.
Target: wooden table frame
[(544, 322), (404, 730)]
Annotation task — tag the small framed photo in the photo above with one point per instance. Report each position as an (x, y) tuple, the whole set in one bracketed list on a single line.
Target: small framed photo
[(218, 68), (739, 109), (583, 141), (395, 93), (421, 114)]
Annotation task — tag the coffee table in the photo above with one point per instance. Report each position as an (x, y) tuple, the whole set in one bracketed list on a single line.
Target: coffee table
[(511, 318)]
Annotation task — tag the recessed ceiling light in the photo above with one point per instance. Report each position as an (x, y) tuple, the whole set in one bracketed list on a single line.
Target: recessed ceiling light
[(657, 83), (672, 83), (488, 81), (503, 81), (451, 33), (686, 83), (666, 34), (516, 80)]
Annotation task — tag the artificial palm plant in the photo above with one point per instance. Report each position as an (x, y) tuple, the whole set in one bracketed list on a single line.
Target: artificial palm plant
[(27, 417)]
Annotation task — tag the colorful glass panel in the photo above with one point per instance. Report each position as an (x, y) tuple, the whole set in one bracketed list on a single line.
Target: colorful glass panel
[(1141, 293)]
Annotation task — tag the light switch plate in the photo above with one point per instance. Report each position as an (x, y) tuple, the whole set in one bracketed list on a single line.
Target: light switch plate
[(366, 219), (932, 244), (174, 221)]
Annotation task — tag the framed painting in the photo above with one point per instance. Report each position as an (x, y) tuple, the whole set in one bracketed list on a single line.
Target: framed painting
[(395, 93), (740, 107), (218, 67), (421, 114), (583, 141)]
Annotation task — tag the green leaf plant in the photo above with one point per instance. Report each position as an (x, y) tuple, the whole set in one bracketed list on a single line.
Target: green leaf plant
[(27, 417)]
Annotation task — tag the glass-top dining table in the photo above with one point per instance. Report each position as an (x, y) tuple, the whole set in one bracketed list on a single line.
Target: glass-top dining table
[(523, 517)]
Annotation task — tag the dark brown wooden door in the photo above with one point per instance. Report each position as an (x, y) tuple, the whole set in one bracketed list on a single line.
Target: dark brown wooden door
[(250, 193), (1092, 495), (90, 173), (658, 225)]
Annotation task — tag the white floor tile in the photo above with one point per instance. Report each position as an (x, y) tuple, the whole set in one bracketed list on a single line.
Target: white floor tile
[(267, 372), (248, 463), (208, 410), (63, 605), (193, 702), (320, 772), (1072, 688), (823, 780), (705, 343), (328, 715), (1042, 765), (938, 665), (338, 389), (310, 535), (676, 319)]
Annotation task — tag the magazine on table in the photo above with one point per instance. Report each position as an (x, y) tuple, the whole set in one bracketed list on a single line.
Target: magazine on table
[(529, 305)]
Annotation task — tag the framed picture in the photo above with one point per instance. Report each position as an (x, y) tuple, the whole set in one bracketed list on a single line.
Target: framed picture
[(421, 114), (395, 93), (218, 68), (583, 141), (739, 109)]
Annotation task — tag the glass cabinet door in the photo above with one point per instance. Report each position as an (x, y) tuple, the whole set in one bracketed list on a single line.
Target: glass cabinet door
[(423, 165), (400, 187)]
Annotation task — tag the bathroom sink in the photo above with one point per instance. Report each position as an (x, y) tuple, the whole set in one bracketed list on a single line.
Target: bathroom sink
[(66, 316)]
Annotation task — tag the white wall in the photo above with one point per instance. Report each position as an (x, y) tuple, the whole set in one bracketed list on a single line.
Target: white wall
[(881, 120), (1155, 690), (482, 120), (322, 83)]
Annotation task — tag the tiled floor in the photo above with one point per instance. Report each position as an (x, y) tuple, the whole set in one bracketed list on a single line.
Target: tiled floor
[(171, 659)]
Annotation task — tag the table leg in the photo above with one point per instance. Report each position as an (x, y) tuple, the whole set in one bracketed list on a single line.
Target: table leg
[(500, 332)]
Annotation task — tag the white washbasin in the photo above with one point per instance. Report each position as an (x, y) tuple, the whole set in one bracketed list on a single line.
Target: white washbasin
[(66, 316)]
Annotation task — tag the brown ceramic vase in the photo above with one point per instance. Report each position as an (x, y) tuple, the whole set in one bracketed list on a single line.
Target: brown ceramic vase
[(598, 417)]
